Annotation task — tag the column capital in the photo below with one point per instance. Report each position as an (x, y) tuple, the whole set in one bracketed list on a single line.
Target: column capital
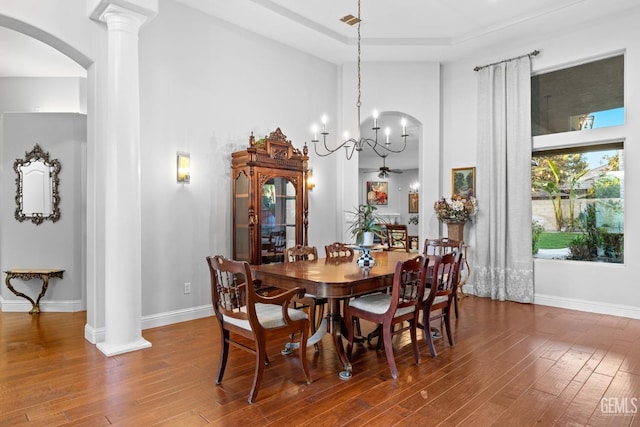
[(142, 10)]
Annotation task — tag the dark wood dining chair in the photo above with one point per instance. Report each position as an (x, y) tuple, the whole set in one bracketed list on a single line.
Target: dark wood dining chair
[(240, 311), (439, 296), (397, 237), (392, 309), (338, 250), (315, 305), (442, 247)]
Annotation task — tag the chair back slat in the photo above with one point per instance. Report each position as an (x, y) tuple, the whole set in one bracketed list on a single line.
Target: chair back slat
[(446, 273), (408, 283), (300, 253), (338, 250), (231, 287), (442, 246)]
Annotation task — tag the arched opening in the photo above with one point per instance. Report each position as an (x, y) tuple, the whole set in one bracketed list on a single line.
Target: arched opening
[(399, 171), (43, 86)]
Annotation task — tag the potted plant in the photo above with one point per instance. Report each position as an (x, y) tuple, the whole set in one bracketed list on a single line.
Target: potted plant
[(366, 223)]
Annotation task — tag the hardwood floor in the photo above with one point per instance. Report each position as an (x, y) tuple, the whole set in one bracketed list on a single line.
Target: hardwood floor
[(513, 365)]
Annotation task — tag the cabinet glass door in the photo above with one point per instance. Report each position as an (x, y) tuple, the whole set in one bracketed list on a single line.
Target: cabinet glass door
[(277, 219), (241, 229)]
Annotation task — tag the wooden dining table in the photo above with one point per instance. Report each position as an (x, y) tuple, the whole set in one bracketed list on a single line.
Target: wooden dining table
[(336, 279)]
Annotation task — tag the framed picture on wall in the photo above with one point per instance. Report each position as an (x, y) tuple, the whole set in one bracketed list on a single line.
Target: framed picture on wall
[(377, 193), (413, 202), (463, 182)]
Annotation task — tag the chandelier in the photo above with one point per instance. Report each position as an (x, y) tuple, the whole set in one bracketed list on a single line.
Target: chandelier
[(352, 145)]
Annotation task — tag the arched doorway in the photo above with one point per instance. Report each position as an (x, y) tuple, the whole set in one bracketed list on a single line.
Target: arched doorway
[(46, 76), (403, 174)]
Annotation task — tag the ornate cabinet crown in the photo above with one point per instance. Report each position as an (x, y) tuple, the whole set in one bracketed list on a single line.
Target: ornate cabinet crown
[(270, 204)]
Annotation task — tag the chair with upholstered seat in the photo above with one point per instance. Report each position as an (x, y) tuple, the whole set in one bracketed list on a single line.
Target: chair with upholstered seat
[(240, 311), (392, 309), (442, 247), (439, 296), (307, 253)]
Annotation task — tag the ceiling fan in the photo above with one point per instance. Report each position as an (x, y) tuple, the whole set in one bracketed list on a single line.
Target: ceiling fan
[(384, 170)]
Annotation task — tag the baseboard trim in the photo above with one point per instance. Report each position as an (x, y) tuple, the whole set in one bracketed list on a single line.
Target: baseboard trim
[(97, 335), (598, 307), (589, 306), (176, 316), (93, 335), (24, 306)]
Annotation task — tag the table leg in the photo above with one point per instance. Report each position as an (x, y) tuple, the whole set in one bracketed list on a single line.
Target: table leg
[(335, 325), (36, 307), (45, 285), (313, 339)]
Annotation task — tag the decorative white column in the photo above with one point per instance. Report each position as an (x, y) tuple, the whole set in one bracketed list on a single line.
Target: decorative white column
[(123, 247)]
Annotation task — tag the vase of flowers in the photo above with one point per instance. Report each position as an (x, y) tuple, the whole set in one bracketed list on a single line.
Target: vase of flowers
[(455, 212), (456, 209)]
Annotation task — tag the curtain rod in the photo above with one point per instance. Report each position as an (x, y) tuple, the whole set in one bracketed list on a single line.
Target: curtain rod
[(534, 53)]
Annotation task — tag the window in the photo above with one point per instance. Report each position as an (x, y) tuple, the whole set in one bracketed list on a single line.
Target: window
[(586, 96), (577, 191)]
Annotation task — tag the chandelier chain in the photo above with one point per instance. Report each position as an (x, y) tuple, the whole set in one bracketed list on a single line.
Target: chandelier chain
[(352, 145), (359, 103)]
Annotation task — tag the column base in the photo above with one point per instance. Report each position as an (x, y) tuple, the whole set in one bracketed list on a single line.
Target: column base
[(112, 350)]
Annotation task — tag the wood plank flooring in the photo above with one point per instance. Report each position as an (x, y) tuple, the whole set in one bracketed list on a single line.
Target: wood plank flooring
[(513, 365)]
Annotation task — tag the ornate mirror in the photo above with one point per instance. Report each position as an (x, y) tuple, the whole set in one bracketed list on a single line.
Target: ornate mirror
[(37, 187)]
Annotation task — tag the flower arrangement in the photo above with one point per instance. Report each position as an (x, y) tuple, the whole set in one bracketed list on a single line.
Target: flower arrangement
[(458, 208)]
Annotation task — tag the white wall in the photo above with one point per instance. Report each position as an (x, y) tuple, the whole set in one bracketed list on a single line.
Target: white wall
[(43, 94), (411, 88), (205, 86), (48, 245), (597, 287)]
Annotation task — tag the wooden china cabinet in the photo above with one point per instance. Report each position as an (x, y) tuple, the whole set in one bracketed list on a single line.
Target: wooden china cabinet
[(270, 204)]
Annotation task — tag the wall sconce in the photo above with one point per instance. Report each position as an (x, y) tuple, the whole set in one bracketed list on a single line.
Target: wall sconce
[(413, 188), (311, 183), (184, 168)]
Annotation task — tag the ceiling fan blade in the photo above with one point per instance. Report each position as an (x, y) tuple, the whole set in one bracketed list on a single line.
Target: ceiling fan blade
[(395, 170)]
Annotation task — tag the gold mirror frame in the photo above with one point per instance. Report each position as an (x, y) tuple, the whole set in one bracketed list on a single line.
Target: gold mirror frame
[(34, 156)]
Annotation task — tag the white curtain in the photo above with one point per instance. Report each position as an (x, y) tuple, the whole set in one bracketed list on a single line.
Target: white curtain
[(504, 261)]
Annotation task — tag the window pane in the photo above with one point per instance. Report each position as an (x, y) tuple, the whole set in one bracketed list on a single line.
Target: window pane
[(578, 204), (582, 97)]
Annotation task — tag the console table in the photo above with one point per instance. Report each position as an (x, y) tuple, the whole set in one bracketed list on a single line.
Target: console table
[(27, 274)]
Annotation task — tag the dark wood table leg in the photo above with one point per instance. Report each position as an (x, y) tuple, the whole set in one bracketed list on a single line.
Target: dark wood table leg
[(335, 329)]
